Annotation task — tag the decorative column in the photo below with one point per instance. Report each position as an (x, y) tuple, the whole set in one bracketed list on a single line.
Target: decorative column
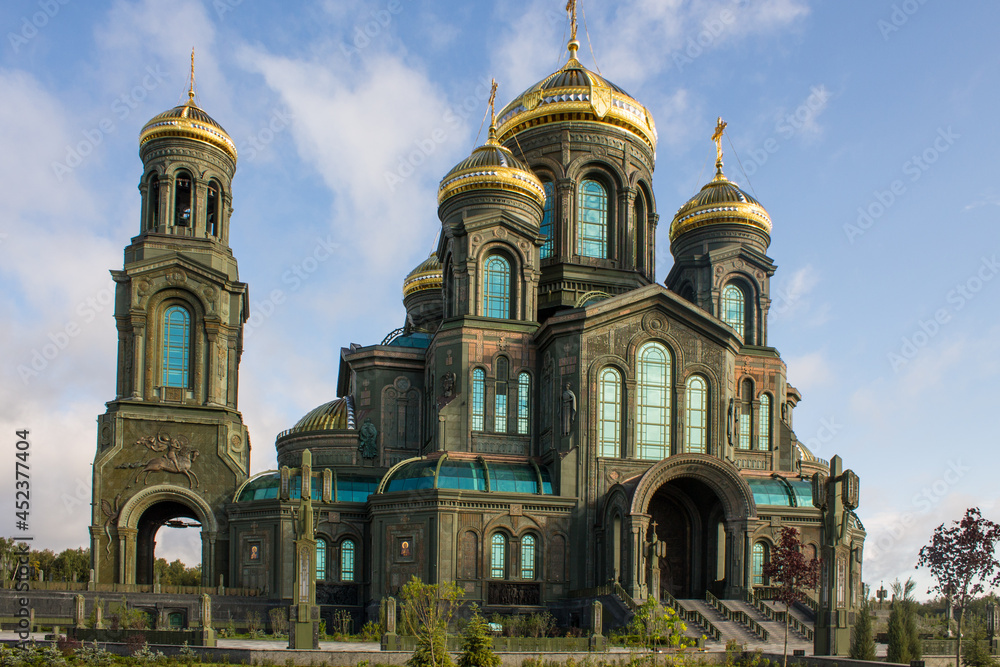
[(207, 631), (303, 616), (390, 640)]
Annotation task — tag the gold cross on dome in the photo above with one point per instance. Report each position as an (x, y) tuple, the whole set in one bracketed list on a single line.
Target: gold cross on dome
[(571, 11), (717, 138), (191, 89), (492, 103)]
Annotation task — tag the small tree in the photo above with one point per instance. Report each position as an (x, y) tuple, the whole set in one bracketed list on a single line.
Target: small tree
[(961, 558), (862, 640), (427, 610), (477, 649), (904, 644), (792, 572)]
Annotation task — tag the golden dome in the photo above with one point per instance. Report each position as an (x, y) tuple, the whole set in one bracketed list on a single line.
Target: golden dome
[(338, 414), (490, 167), (576, 93), (720, 201), (189, 122), (427, 276)]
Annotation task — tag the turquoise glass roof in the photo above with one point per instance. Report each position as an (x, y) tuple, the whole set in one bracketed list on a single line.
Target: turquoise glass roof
[(470, 475), (781, 492), (349, 488)]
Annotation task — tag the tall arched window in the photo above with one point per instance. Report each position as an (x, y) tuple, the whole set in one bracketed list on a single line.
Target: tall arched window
[(347, 560), (764, 423), (478, 399), (496, 287), (734, 308), (759, 558), (153, 202), (213, 220), (498, 556), (746, 414), (500, 396), (696, 415), (320, 559), (592, 225), (523, 403), (609, 413), (182, 199), (547, 214), (176, 347), (528, 557), (653, 402)]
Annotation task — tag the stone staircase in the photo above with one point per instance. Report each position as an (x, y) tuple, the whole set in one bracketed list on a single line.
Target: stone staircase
[(728, 629), (747, 624)]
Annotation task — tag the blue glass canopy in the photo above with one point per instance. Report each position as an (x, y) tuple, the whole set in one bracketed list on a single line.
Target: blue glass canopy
[(781, 492)]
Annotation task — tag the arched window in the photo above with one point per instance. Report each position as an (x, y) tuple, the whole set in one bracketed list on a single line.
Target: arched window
[(734, 308), (320, 559), (213, 220), (523, 401), (696, 415), (592, 225), (639, 233), (176, 347), (764, 423), (609, 413), (478, 399), (500, 396), (547, 214), (498, 556), (496, 287), (153, 202), (182, 199), (528, 557), (746, 414), (759, 558), (347, 560), (653, 402)]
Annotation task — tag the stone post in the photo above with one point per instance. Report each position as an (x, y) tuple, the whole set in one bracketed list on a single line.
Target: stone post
[(597, 640), (390, 640), (303, 616), (79, 612), (156, 585), (92, 583), (98, 614), (207, 632)]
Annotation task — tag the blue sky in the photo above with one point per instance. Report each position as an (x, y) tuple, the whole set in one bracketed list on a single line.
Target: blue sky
[(859, 125)]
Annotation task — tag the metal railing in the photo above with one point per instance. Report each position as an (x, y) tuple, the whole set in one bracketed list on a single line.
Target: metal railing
[(737, 616), (779, 616), (692, 615)]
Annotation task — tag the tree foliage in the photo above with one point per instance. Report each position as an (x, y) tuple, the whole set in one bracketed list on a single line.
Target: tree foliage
[(791, 572), (427, 611), (904, 644), (177, 573), (862, 638), (962, 559), (477, 647)]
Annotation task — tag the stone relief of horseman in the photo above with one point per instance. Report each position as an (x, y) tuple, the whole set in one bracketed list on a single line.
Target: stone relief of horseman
[(177, 457)]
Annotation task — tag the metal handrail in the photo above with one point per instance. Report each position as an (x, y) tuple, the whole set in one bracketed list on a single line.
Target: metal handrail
[(738, 616), (692, 615)]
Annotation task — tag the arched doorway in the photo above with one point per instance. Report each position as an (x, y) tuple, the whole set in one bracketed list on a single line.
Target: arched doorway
[(163, 519), (687, 519)]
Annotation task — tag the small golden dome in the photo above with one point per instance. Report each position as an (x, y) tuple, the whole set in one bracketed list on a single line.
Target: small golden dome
[(189, 122), (720, 201), (427, 276), (491, 166), (338, 414), (576, 93)]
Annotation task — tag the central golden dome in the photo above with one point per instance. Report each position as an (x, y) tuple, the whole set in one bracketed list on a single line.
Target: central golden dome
[(576, 93)]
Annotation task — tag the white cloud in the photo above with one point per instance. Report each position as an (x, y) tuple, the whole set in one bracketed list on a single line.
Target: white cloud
[(808, 371)]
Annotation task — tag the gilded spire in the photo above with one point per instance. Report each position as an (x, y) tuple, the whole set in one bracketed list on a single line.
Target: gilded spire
[(191, 89), (493, 110), (720, 127), (573, 44)]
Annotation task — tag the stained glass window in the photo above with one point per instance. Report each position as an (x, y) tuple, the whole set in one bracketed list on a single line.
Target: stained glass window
[(498, 556), (592, 227), (347, 560), (523, 397), (478, 399), (653, 402), (759, 558), (764, 424), (696, 421), (528, 557), (734, 308), (320, 559), (609, 413), (547, 213), (176, 346), (496, 287)]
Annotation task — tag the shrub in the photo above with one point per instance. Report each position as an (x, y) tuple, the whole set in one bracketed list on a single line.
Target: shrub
[(371, 632), (145, 656), (279, 620), (477, 649), (862, 640)]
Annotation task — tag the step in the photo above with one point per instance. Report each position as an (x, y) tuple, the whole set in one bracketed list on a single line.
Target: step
[(775, 628), (729, 629)]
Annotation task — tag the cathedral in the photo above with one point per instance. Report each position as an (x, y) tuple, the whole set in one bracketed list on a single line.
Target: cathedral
[(549, 424)]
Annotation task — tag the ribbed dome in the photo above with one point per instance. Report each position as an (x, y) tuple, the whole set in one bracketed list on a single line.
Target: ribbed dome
[(576, 93), (335, 415), (720, 202), (490, 167), (427, 276), (190, 122)]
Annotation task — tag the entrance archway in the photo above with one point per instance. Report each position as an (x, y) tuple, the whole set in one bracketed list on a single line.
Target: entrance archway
[(157, 520)]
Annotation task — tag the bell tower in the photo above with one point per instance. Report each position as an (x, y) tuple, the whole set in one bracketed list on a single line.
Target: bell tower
[(172, 444)]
